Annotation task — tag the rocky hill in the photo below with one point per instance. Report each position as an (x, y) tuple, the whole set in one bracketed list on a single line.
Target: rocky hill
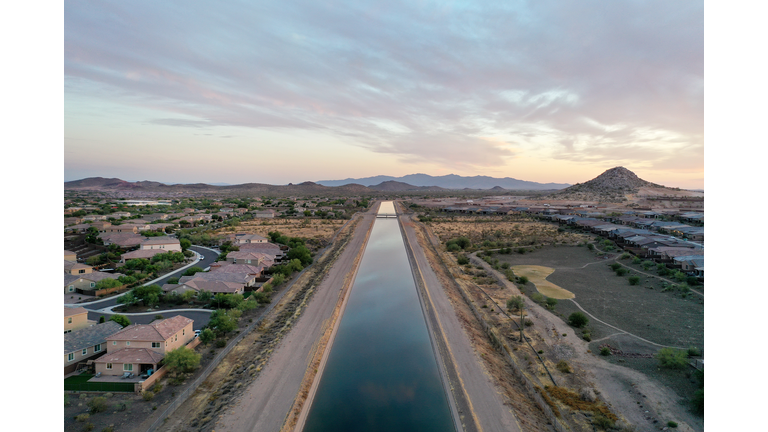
[(612, 186)]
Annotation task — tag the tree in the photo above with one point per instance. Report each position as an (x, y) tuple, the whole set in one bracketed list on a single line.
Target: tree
[(578, 319), (121, 319), (181, 360), (207, 336), (185, 244), (222, 321)]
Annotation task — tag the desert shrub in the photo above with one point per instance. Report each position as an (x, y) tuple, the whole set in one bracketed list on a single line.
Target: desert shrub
[(634, 280), (221, 343), (672, 358), (97, 404), (88, 427), (591, 246), (647, 264), (693, 351), (523, 279), (605, 351), (578, 319), (181, 360), (528, 322), (563, 366), (147, 395), (82, 417), (551, 303), (157, 388), (462, 260), (587, 337), (453, 247), (109, 428), (621, 271), (505, 266), (671, 424), (625, 255), (615, 266), (636, 260), (538, 297), (515, 303), (697, 401), (602, 421)]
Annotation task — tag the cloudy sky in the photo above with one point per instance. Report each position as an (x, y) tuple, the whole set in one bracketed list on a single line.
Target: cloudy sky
[(269, 92)]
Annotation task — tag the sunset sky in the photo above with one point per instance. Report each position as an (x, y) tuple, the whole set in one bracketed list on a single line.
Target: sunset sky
[(269, 92)]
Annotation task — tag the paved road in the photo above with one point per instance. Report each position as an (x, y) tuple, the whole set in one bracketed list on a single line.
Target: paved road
[(487, 405), (267, 400), (98, 308)]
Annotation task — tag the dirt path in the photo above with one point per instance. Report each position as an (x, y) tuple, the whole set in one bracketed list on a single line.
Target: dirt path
[(267, 401), (487, 408)]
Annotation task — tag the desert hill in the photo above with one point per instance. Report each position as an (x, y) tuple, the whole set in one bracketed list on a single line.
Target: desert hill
[(617, 185)]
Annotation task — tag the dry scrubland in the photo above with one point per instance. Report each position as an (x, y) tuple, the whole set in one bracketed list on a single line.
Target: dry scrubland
[(505, 336), (505, 231), (317, 232), (649, 310)]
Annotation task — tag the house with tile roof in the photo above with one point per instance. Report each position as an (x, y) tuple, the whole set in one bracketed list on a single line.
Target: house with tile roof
[(85, 283), (140, 347), (87, 344)]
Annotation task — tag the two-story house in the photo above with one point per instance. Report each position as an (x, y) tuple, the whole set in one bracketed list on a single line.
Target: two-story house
[(140, 347)]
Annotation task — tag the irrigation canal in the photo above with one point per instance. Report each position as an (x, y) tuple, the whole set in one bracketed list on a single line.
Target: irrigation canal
[(381, 373)]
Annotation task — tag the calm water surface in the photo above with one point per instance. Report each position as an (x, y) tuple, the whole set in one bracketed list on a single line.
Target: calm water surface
[(381, 373)]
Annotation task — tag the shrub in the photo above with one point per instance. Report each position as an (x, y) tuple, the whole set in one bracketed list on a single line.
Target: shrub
[(671, 424), (181, 360), (82, 417), (605, 351), (634, 280), (453, 247), (587, 337), (147, 395), (636, 260), (591, 246), (693, 351), (88, 427), (221, 343), (602, 421), (462, 260), (157, 388), (625, 255), (97, 404), (538, 297), (578, 319), (551, 303), (672, 358), (698, 401), (621, 271), (587, 394), (615, 266), (523, 280), (563, 366), (515, 303)]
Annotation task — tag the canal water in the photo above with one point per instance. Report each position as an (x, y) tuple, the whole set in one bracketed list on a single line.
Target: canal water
[(381, 373)]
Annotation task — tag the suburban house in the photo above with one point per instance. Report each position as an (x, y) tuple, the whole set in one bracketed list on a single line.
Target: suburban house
[(140, 347), (75, 268), (250, 257), (75, 319), (245, 279), (198, 285), (87, 344), (70, 256), (167, 244), (85, 283), (152, 246)]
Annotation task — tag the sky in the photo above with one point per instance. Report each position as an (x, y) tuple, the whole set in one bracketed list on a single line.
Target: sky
[(278, 92)]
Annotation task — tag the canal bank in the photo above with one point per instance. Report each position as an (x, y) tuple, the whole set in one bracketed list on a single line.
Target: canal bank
[(381, 370)]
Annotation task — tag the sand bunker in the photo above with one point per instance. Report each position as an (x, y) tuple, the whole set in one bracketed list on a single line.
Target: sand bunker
[(537, 275)]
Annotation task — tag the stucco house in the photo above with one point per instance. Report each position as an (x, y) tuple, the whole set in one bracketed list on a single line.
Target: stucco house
[(140, 347), (75, 318), (87, 344)]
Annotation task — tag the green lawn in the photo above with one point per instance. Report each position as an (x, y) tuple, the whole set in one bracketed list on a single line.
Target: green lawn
[(79, 383)]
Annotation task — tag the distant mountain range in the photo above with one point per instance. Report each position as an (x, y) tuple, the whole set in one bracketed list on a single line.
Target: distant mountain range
[(450, 181)]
